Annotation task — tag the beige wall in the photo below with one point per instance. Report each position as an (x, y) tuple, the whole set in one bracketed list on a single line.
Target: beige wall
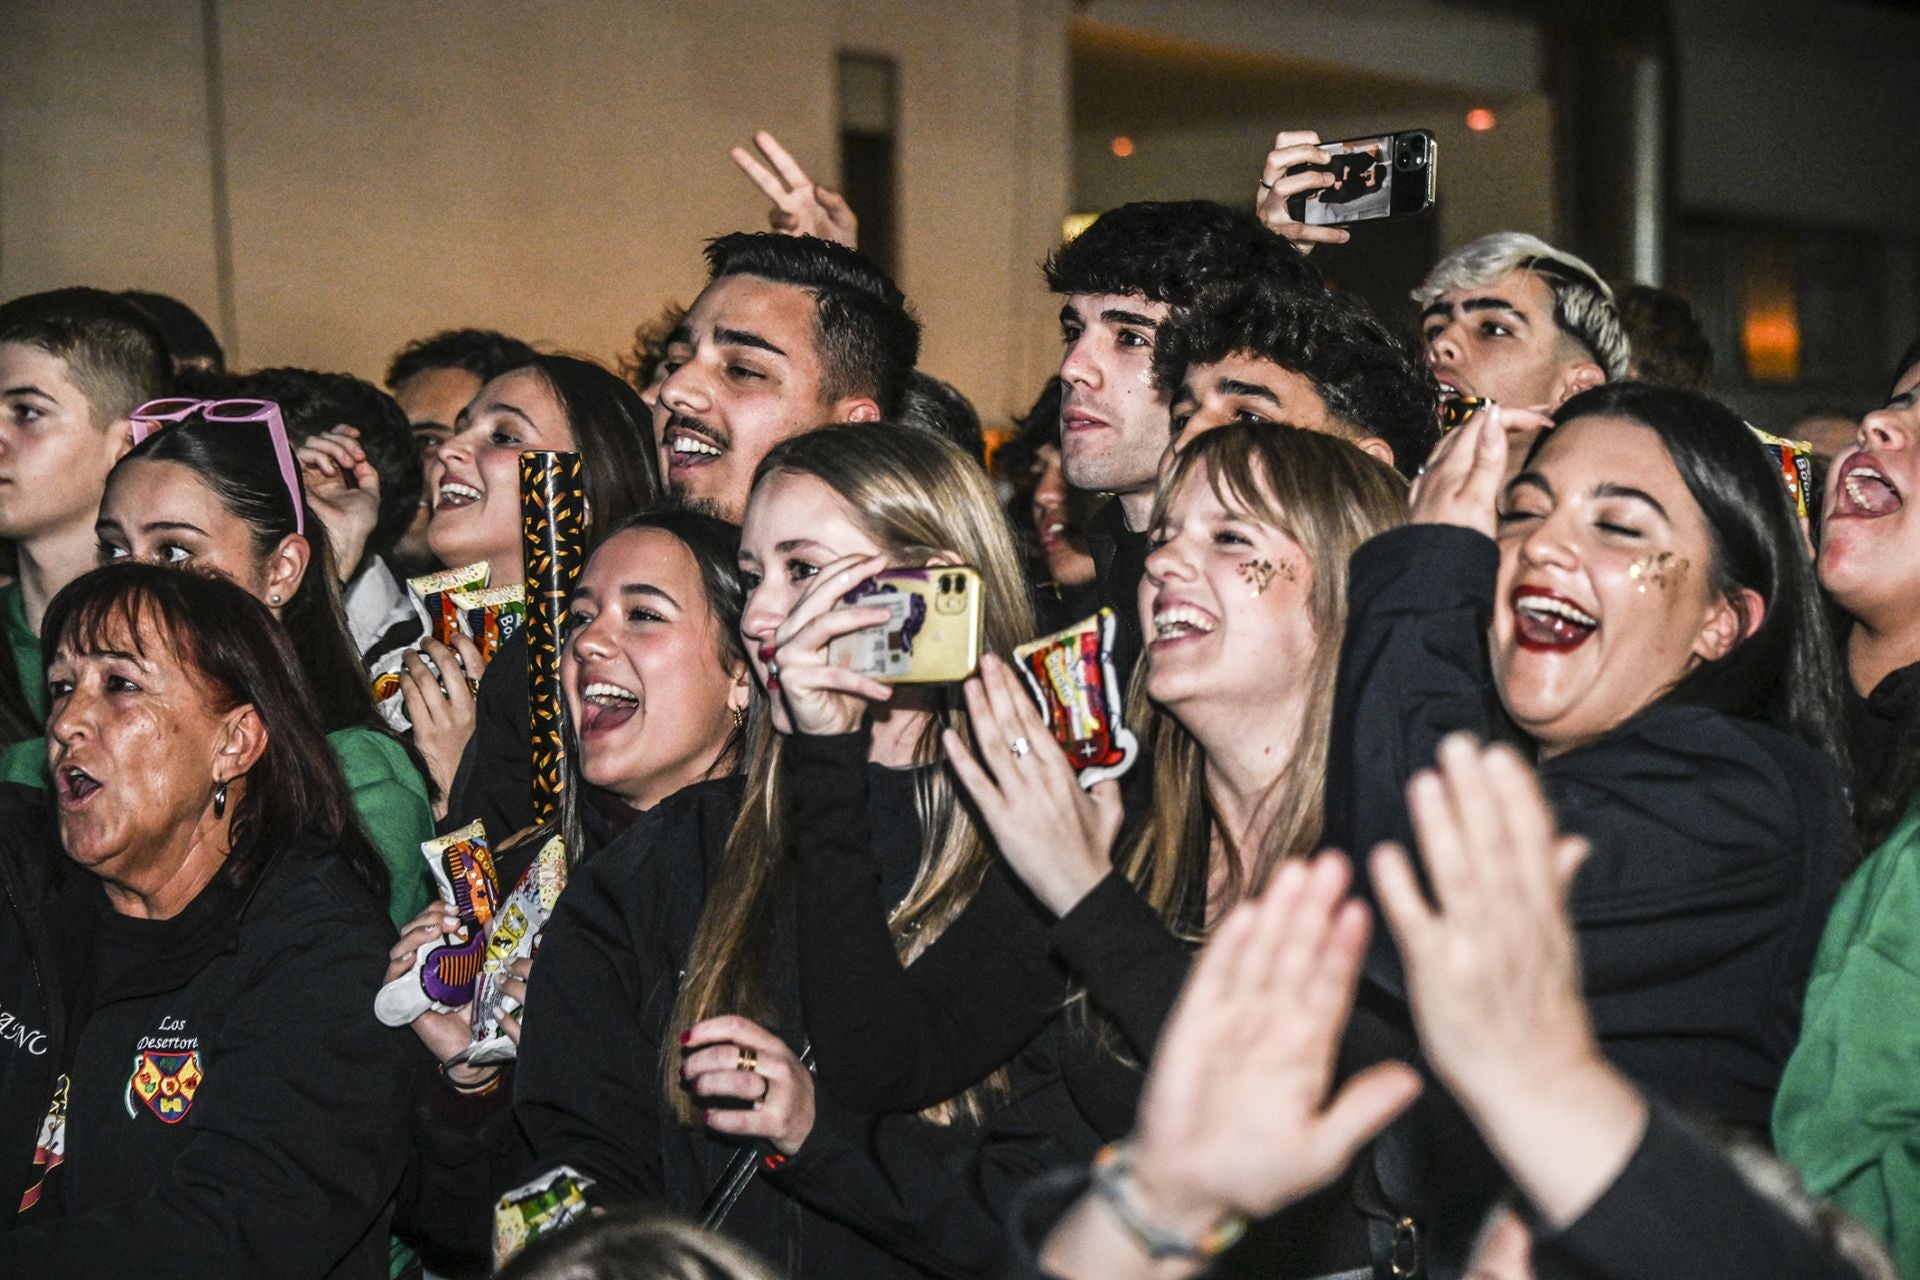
[(549, 169)]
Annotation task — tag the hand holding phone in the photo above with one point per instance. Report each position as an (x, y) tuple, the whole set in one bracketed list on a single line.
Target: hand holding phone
[(932, 632), (1310, 188)]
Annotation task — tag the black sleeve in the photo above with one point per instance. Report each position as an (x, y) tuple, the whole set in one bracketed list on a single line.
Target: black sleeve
[(1680, 1208), (587, 1084), (468, 1151), (887, 1036), (495, 780), (299, 1140), (1132, 965), (1413, 668)]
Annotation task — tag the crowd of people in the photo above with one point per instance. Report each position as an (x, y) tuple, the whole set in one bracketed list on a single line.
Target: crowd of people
[(1518, 871)]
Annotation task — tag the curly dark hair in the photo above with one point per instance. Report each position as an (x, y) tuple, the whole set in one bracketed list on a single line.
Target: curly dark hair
[(1368, 378), (869, 340), (1171, 251), (1664, 333), (312, 403), (484, 353)]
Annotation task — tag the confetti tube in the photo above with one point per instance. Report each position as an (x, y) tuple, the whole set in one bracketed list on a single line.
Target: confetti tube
[(553, 521)]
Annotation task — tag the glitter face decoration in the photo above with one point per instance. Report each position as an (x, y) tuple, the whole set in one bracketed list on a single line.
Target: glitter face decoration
[(1660, 570), (1259, 575)]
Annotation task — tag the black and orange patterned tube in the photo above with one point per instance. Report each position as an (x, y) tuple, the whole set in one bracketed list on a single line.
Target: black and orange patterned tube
[(553, 521)]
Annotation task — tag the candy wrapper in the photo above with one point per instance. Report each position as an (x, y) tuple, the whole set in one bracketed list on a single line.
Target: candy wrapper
[(553, 522), (540, 1208), (1070, 674), (445, 970), (490, 616), (431, 594), (513, 935), (1794, 460)]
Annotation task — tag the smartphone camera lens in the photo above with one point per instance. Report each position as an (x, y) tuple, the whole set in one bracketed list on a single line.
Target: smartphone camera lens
[(1411, 153)]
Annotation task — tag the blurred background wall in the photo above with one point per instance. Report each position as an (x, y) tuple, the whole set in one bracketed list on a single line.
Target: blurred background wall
[(326, 180)]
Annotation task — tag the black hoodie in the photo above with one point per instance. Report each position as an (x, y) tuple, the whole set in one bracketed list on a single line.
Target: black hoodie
[(235, 1108)]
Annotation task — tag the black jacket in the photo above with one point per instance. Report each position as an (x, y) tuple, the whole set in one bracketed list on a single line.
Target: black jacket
[(892, 1196), (235, 1110), (1718, 846), (494, 782), (1120, 558)]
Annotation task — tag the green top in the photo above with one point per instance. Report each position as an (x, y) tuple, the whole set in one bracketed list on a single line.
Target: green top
[(25, 642), (1848, 1111), (387, 794)]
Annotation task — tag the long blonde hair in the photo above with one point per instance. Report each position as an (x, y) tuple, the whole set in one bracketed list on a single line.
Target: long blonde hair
[(917, 496), (1328, 497)]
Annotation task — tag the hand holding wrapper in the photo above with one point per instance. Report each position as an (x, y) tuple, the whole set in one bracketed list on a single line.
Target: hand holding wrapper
[(1070, 674), (444, 971)]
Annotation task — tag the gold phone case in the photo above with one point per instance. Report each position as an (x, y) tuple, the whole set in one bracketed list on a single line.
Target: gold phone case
[(933, 635)]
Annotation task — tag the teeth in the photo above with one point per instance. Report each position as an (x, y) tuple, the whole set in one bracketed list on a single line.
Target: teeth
[(1559, 608), (452, 491), (694, 444), (605, 694), (1179, 618)]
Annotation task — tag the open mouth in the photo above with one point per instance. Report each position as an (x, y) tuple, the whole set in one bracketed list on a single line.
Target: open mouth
[(454, 495), (1180, 622), (688, 448), (1053, 534), (1072, 420), (605, 707), (75, 785), (1863, 491), (1544, 622)]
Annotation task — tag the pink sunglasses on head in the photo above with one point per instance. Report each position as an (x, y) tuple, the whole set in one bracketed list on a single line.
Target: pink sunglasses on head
[(155, 414)]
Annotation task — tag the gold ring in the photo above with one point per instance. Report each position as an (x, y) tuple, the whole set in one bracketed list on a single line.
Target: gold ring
[(748, 1061)]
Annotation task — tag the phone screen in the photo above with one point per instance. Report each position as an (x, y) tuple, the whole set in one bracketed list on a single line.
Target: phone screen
[(1363, 186)]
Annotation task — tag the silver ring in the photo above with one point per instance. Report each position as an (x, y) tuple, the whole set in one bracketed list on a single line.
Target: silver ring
[(1019, 747), (773, 668)]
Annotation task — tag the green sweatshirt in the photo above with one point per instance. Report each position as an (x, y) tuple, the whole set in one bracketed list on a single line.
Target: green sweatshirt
[(388, 796), (25, 645), (1848, 1111)]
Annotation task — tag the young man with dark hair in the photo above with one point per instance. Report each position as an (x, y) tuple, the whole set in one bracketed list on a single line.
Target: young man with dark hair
[(1252, 352), (368, 498), (938, 407), (433, 379), (1122, 277), (790, 334), (74, 364)]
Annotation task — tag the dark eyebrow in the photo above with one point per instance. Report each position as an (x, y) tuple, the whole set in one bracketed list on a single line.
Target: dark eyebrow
[(1068, 315), (172, 526), (1608, 489), (27, 391), (1235, 387), (503, 407), (795, 544), (1185, 395), (682, 335), (1113, 315), (1533, 480), (1444, 310), (649, 590), (744, 338)]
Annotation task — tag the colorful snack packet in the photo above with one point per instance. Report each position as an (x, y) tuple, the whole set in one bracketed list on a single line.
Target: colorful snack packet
[(489, 616), (514, 934), (1794, 460), (1070, 674), (541, 1207), (553, 525), (430, 594), (433, 591), (445, 969)]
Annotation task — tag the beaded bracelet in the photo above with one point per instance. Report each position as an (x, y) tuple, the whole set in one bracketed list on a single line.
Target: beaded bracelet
[(1110, 1170)]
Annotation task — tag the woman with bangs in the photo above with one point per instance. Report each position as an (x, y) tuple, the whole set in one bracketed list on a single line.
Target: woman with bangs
[(1243, 600), (1635, 609), (666, 1033)]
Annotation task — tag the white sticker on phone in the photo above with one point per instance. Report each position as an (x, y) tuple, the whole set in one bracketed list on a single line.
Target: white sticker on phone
[(885, 651)]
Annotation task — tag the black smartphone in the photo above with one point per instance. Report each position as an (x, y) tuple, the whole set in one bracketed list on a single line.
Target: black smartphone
[(1385, 176)]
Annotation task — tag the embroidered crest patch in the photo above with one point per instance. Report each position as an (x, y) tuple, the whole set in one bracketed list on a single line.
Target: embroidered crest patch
[(166, 1082)]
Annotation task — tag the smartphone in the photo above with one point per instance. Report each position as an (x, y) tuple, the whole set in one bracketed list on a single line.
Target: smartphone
[(1384, 176), (932, 633)]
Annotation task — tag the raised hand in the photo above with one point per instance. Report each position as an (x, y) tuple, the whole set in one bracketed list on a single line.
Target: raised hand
[(801, 207), (1236, 1113), (1057, 837), (1461, 482), (1493, 976), (739, 1060), (1278, 187), (444, 1034), (823, 699), (344, 491)]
